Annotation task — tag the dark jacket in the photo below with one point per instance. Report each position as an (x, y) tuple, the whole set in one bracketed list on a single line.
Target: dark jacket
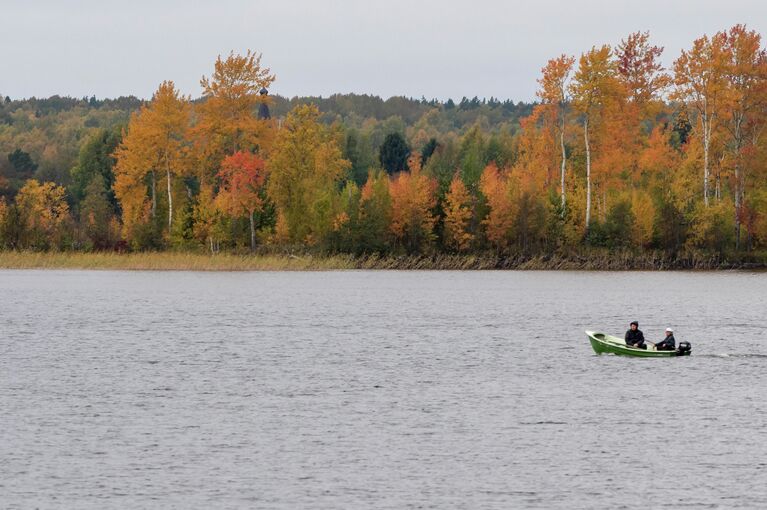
[(634, 337), (667, 344)]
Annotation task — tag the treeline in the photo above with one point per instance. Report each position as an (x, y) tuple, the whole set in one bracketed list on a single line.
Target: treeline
[(618, 153)]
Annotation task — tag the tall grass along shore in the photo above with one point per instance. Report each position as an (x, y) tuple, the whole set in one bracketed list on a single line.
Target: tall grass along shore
[(174, 261)]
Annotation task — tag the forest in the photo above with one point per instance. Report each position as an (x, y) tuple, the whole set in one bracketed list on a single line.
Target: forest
[(617, 155)]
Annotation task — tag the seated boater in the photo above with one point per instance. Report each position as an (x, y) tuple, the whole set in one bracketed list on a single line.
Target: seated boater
[(635, 337), (668, 343)]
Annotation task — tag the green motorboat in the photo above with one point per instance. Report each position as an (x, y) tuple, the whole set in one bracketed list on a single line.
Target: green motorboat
[(603, 343)]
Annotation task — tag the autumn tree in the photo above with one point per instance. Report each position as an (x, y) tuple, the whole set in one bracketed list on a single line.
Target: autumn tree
[(700, 82), (744, 106), (242, 178), (135, 175), (375, 211), (43, 213), (554, 94), (660, 206), (538, 156), (305, 164), (641, 71), (499, 223), (644, 81), (210, 225), (155, 142), (594, 89), (458, 212), (228, 122), (413, 198)]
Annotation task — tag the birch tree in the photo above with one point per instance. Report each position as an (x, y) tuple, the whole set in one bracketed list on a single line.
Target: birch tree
[(155, 142), (554, 94), (746, 72), (594, 86), (700, 82)]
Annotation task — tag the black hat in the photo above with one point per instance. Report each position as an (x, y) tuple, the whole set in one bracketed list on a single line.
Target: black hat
[(634, 322)]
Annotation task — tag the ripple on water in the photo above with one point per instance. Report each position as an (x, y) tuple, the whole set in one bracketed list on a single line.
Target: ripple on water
[(378, 390)]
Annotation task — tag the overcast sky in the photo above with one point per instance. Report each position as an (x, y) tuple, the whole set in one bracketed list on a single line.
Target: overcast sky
[(396, 47)]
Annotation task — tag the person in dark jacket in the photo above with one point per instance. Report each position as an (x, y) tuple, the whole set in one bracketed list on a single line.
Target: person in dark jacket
[(634, 337), (668, 343)]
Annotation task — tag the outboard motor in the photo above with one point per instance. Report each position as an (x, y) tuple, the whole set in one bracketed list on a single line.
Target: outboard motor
[(684, 349)]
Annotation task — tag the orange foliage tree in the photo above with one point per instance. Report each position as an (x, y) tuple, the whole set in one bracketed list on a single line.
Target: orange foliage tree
[(227, 119), (536, 150), (155, 141), (745, 109), (413, 198), (640, 70), (644, 80), (595, 91), (242, 177), (700, 82), (497, 188)]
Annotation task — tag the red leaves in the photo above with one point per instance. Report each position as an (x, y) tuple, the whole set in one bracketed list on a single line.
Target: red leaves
[(242, 176)]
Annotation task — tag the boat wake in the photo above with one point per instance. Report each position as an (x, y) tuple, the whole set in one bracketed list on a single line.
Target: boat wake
[(731, 355)]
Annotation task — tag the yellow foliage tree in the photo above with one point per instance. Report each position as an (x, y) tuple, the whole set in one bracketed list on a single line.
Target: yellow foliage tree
[(458, 207), (43, 212), (209, 224), (555, 98), (155, 142), (306, 164), (375, 210), (227, 116)]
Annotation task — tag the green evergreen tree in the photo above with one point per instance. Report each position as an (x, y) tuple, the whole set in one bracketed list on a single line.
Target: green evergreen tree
[(394, 153), (95, 158)]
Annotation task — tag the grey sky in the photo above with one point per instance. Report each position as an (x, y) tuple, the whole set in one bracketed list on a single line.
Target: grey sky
[(398, 47)]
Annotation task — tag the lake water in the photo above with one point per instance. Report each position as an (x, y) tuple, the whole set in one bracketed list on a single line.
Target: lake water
[(379, 390)]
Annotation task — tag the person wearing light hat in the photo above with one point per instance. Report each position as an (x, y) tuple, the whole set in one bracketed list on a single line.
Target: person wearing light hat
[(668, 343)]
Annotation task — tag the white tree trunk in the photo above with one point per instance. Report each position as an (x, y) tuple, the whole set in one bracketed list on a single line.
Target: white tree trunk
[(739, 178), (588, 171), (562, 169), (154, 194), (706, 141), (170, 202)]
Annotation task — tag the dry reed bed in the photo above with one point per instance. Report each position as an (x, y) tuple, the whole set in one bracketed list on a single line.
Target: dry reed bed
[(173, 261)]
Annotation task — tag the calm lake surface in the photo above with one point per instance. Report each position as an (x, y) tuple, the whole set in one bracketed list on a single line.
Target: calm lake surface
[(379, 390)]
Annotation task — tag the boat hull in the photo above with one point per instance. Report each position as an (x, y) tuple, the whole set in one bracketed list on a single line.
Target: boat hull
[(607, 344)]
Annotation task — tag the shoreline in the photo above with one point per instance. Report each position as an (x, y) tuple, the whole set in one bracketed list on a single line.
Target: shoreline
[(181, 261)]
